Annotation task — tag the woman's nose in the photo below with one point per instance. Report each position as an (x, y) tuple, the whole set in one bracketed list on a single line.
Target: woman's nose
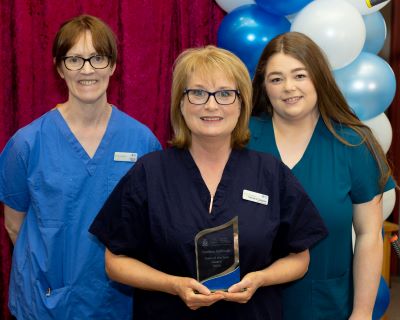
[(289, 85), (211, 103), (87, 67)]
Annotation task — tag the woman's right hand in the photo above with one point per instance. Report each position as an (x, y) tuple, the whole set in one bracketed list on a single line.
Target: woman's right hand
[(137, 274), (194, 294)]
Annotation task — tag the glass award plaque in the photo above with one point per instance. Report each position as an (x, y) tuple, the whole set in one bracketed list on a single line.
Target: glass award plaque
[(217, 256)]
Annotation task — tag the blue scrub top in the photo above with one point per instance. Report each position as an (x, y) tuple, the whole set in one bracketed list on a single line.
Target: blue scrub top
[(58, 267), (157, 209), (335, 176)]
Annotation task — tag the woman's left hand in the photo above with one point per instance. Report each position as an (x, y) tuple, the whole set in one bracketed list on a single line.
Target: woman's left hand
[(242, 291), (283, 270)]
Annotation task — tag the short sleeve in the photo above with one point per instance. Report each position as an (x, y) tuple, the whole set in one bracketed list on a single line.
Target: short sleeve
[(122, 223), (364, 173), (301, 225), (14, 190)]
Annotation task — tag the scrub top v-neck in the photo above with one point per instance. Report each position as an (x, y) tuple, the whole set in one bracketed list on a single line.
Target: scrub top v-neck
[(90, 162), (222, 189), (157, 209), (335, 176), (308, 152)]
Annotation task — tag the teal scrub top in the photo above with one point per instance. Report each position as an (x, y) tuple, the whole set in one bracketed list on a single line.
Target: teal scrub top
[(335, 176)]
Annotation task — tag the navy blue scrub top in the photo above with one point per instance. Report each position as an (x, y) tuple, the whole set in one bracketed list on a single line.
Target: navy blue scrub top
[(157, 209)]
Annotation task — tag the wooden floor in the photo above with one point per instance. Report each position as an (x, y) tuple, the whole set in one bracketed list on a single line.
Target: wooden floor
[(393, 312)]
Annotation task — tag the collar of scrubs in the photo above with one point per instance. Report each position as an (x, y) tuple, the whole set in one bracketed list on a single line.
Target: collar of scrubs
[(90, 163)]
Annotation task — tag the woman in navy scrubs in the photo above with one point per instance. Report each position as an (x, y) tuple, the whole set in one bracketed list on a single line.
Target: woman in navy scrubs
[(208, 178), (302, 118)]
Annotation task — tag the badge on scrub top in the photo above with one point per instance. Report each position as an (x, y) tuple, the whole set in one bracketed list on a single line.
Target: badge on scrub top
[(255, 197), (125, 156)]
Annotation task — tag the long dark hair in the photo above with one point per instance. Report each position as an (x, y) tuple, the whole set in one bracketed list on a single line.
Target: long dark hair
[(331, 103)]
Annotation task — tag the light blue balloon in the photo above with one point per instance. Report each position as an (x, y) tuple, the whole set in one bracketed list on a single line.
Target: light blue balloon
[(375, 26), (382, 300), (282, 8), (246, 30), (368, 84)]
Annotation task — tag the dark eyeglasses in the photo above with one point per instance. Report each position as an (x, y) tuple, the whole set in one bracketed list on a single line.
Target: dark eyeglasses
[(75, 63), (223, 97)]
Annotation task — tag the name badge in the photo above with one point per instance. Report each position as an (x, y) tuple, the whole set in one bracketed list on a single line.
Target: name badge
[(125, 156), (255, 197)]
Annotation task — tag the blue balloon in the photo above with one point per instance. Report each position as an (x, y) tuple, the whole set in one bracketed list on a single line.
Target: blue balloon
[(382, 300), (282, 8), (375, 26), (368, 84), (246, 30)]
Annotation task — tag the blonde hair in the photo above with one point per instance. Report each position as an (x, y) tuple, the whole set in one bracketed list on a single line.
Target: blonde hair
[(206, 60)]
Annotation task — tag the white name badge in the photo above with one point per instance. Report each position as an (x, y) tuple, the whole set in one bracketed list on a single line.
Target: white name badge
[(255, 197), (125, 156)]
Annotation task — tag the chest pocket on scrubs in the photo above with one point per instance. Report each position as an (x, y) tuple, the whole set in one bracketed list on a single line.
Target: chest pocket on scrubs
[(332, 298), (49, 192)]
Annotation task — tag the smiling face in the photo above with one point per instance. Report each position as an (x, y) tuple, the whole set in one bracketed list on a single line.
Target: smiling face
[(289, 88), (210, 120), (87, 85)]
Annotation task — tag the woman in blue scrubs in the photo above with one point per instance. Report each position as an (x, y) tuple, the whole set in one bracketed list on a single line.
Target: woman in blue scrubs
[(301, 117), (55, 175), (207, 179)]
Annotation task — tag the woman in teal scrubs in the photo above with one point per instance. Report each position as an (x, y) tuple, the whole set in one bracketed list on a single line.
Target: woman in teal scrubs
[(302, 118)]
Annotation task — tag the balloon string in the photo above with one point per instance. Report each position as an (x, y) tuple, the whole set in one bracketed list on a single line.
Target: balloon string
[(395, 244)]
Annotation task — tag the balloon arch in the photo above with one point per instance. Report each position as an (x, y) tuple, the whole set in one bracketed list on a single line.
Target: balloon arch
[(351, 33)]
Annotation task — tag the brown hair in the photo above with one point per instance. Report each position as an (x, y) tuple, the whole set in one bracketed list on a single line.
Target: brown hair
[(104, 40), (206, 60), (331, 102)]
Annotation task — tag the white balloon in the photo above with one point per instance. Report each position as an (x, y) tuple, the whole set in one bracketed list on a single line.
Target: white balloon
[(361, 6), (388, 201), (336, 26), (229, 5), (382, 130)]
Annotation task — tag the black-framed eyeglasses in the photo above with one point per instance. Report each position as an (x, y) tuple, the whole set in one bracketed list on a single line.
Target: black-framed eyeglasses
[(75, 63), (200, 96)]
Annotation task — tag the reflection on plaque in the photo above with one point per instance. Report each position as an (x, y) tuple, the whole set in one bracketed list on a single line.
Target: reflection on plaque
[(217, 256)]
